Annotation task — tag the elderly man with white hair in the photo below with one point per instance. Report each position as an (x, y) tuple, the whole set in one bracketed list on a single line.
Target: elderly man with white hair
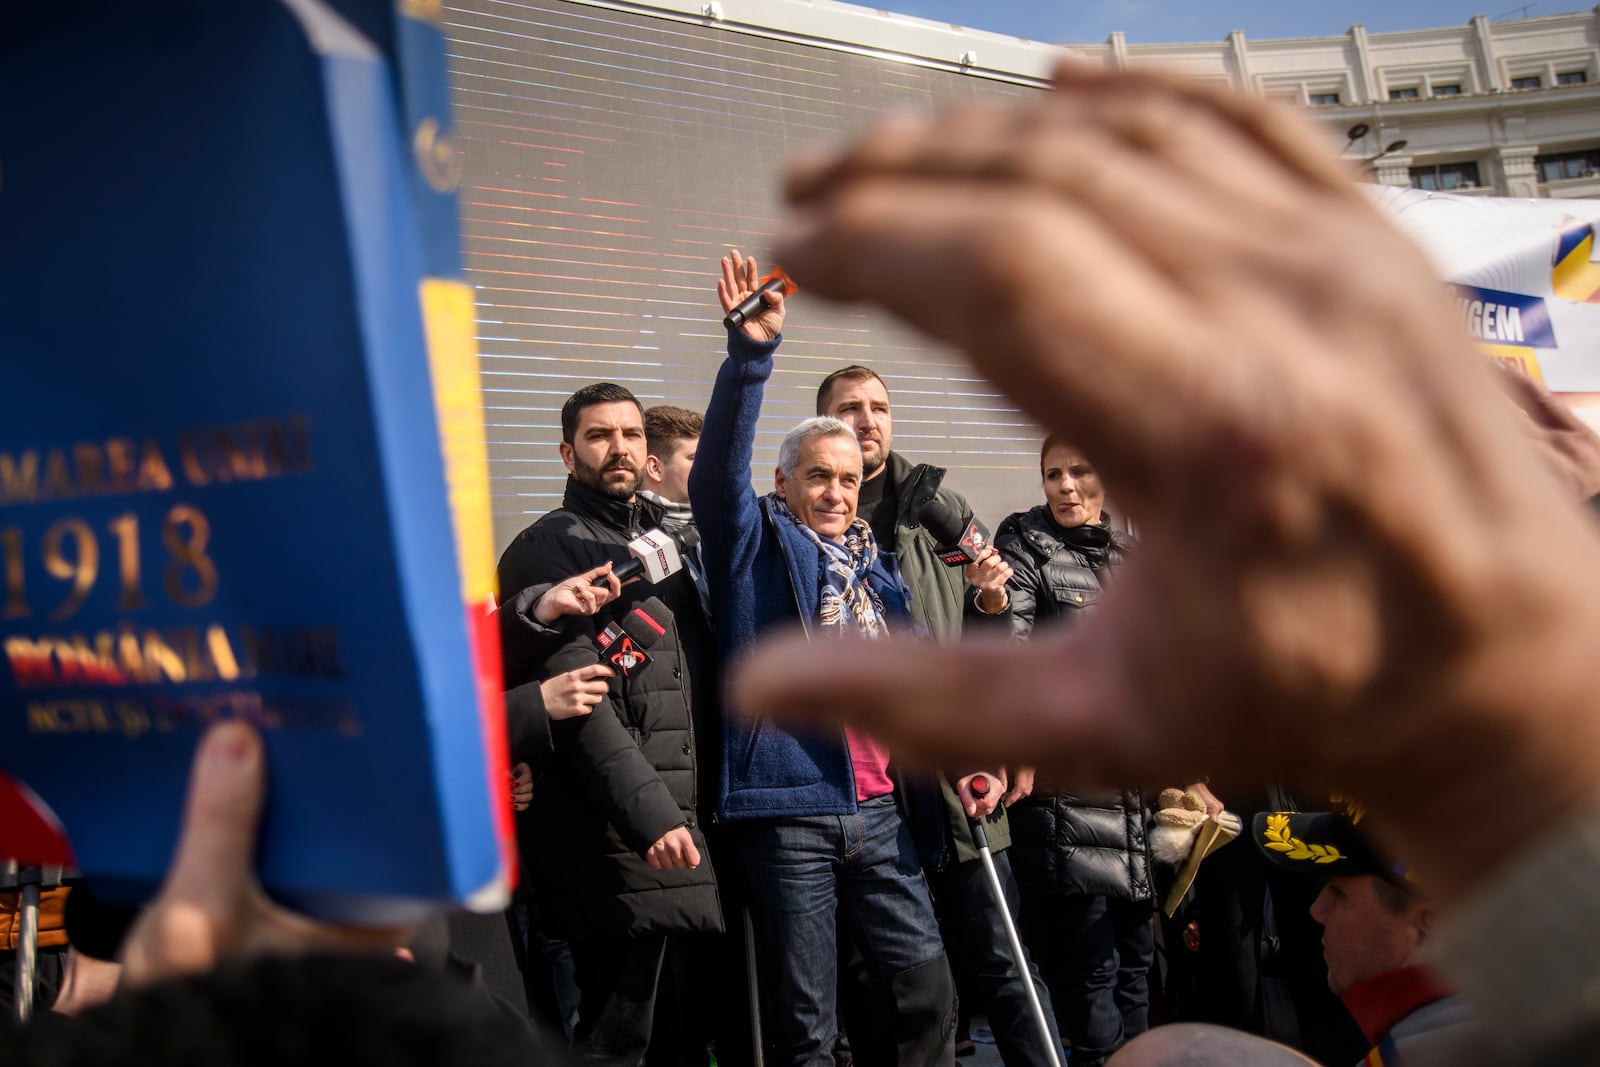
[(815, 815)]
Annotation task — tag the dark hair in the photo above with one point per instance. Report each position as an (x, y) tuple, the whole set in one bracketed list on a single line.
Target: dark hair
[(588, 396), (852, 373), (1055, 440), (1394, 896), (665, 426)]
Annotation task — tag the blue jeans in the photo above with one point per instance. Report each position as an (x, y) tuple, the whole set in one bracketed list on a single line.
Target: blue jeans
[(807, 874), (1095, 954)]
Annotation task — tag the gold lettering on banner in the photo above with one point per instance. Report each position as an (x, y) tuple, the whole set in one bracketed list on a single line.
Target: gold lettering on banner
[(161, 662), (16, 584), (89, 467), (188, 551), (130, 654), (293, 653), (57, 477), (69, 717), (222, 657), (240, 452), (70, 552), (182, 655), (19, 476), (133, 718), (82, 663), (122, 464), (81, 570), (246, 452), (196, 665), (154, 477), (125, 528)]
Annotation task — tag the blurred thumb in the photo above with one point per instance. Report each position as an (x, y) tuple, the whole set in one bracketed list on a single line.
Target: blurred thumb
[(216, 848)]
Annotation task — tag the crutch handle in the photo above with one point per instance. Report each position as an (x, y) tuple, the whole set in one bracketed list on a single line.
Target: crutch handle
[(980, 789)]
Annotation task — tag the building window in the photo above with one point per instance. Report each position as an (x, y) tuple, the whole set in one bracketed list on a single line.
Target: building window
[(1530, 82), (1447, 90), (1565, 166), (1572, 77), (1444, 177), (1408, 93), (1324, 99)]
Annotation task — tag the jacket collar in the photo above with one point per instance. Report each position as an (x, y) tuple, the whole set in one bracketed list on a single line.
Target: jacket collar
[(1095, 542), (629, 519), (915, 485), (1382, 1001)]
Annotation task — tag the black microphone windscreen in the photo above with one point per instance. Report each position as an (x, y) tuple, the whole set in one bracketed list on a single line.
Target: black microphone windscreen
[(687, 537), (647, 621), (946, 526)]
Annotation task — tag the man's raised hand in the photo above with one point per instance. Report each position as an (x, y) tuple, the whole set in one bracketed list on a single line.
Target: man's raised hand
[(740, 278)]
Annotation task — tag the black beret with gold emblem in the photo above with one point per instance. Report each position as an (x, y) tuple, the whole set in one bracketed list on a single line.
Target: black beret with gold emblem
[(1320, 842)]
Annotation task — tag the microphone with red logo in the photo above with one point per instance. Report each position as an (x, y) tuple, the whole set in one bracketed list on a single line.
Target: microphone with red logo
[(625, 645), (656, 555), (957, 541)]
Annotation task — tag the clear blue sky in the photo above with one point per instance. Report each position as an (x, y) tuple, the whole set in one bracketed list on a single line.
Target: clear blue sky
[(1165, 21)]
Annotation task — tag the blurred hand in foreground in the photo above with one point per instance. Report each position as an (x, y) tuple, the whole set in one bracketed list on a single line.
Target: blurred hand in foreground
[(211, 906), (1354, 573)]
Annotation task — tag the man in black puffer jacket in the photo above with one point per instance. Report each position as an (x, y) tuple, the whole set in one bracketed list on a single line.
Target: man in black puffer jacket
[(613, 845), (1081, 859)]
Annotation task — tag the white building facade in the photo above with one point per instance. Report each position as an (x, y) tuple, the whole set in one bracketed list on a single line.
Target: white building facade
[(1505, 108)]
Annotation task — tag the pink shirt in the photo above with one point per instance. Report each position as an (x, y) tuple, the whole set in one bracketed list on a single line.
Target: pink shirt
[(871, 762)]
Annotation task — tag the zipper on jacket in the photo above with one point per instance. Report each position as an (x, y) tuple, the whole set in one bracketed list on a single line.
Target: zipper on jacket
[(805, 626)]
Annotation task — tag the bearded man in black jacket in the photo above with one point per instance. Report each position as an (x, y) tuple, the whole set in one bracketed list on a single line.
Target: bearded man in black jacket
[(613, 844)]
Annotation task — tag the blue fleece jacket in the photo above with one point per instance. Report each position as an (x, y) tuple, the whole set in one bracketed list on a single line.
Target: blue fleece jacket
[(764, 575)]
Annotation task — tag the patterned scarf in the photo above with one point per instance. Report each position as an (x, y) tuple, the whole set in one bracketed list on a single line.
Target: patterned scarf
[(848, 604)]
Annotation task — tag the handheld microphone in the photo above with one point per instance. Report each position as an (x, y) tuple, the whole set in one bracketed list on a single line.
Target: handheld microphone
[(626, 645), (656, 555), (753, 303), (957, 541)]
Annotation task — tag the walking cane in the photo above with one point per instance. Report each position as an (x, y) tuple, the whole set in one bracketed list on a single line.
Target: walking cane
[(980, 789)]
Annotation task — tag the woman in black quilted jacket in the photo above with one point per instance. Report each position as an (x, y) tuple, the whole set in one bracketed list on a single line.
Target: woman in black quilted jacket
[(1080, 858)]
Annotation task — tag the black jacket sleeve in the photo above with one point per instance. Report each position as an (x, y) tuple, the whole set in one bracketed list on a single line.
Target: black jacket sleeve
[(528, 727), (525, 646), (542, 555), (600, 753), (1023, 593)]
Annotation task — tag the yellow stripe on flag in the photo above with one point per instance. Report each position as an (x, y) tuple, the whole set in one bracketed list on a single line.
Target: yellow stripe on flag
[(458, 401), (1576, 277)]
